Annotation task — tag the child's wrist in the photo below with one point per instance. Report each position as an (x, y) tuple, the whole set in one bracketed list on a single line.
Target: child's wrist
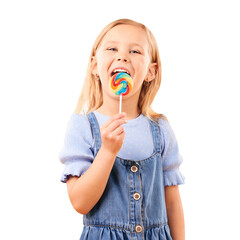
[(107, 153)]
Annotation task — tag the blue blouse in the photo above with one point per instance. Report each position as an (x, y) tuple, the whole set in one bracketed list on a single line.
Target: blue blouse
[(77, 153)]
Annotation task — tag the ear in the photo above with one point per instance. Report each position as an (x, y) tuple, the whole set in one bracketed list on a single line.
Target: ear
[(94, 65), (152, 71)]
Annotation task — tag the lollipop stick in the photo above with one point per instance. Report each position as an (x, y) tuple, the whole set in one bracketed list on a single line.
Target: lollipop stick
[(120, 103)]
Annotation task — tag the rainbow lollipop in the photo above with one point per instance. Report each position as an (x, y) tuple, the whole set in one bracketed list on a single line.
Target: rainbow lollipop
[(121, 84)]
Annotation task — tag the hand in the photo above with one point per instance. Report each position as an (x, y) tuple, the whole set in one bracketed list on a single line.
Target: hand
[(113, 134)]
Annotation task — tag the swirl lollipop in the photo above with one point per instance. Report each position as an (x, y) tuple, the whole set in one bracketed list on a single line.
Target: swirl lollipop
[(121, 84)]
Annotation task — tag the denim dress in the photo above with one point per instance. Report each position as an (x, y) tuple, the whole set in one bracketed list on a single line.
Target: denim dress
[(132, 205)]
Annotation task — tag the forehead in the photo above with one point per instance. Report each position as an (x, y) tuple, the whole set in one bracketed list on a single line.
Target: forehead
[(125, 33)]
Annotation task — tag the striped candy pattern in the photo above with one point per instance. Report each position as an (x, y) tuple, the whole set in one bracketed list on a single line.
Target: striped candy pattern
[(121, 83)]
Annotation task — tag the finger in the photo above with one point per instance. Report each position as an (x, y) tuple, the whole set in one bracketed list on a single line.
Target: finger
[(121, 136), (115, 124), (115, 117), (119, 130)]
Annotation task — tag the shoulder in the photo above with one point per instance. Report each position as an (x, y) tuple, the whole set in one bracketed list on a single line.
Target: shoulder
[(166, 131), (78, 121), (164, 125), (161, 121), (79, 125)]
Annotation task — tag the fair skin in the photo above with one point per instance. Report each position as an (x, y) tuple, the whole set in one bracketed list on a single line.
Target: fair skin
[(122, 46), (175, 212)]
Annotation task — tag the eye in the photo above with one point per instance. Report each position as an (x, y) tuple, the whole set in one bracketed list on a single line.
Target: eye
[(134, 51), (112, 49)]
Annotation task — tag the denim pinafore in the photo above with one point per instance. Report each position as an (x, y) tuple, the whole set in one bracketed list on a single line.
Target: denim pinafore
[(132, 205)]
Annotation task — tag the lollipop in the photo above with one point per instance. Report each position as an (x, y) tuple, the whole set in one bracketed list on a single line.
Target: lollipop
[(121, 84)]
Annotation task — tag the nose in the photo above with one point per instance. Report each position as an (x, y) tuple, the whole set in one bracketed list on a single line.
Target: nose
[(122, 58)]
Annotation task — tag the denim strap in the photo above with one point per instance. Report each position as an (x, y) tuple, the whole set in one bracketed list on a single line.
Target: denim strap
[(97, 134), (156, 136), (95, 131)]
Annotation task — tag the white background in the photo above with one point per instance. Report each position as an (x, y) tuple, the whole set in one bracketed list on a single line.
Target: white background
[(44, 50)]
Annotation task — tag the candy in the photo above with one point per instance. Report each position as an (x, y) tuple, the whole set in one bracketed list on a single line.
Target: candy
[(121, 83)]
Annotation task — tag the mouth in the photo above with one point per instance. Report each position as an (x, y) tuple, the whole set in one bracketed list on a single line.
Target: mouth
[(119, 70)]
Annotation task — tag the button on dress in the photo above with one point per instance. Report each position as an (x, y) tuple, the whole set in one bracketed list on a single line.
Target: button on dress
[(132, 205)]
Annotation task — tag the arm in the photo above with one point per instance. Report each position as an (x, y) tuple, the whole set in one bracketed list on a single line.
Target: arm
[(175, 212), (85, 191)]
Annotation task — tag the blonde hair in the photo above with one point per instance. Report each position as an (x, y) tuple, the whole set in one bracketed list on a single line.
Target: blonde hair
[(91, 97)]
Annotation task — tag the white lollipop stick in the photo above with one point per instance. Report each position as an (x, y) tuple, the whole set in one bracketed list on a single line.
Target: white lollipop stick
[(120, 103)]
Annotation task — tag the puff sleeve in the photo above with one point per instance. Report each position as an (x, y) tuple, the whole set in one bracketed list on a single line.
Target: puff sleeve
[(171, 158), (77, 152)]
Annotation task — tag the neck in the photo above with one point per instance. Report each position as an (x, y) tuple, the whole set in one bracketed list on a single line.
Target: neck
[(110, 106)]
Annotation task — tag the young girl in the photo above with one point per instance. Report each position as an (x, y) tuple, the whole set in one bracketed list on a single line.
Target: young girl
[(122, 170)]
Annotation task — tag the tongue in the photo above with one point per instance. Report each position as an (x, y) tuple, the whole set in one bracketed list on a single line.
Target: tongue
[(119, 72)]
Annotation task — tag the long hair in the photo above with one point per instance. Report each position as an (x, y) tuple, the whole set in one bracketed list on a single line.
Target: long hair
[(91, 97)]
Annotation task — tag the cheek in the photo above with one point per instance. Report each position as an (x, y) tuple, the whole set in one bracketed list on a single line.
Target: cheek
[(142, 68), (101, 67), (103, 63)]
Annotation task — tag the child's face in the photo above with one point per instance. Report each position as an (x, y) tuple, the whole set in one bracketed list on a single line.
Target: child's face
[(124, 46)]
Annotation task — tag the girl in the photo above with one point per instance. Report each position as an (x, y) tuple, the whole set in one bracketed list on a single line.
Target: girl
[(122, 170)]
